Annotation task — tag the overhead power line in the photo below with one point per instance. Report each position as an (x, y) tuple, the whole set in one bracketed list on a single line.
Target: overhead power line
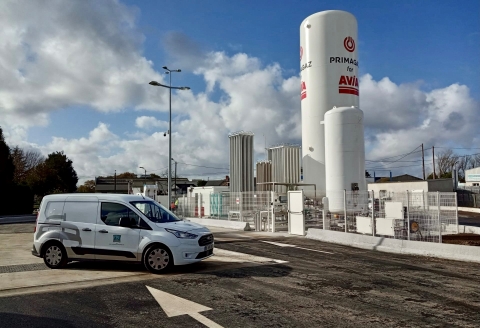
[(208, 167)]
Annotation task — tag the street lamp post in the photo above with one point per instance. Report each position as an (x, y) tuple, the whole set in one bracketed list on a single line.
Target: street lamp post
[(145, 177), (155, 83), (175, 175)]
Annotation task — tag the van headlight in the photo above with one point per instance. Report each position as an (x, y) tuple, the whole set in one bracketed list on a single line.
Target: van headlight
[(182, 234)]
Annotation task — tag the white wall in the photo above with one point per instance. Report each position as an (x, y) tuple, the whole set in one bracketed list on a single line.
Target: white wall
[(442, 185), (398, 186)]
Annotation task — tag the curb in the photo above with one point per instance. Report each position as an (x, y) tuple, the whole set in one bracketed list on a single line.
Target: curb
[(469, 209), (237, 225), (382, 244)]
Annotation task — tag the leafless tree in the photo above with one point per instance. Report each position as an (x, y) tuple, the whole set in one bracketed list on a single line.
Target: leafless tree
[(476, 160), (445, 161), (25, 162), (33, 159)]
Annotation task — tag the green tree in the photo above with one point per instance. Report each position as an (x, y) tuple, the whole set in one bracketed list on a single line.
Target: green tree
[(55, 175), (126, 175), (201, 183), (7, 168), (14, 199), (88, 186)]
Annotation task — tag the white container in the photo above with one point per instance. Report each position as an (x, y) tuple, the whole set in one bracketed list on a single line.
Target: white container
[(345, 154), (329, 74)]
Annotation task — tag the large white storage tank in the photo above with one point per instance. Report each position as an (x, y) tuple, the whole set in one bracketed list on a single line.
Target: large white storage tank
[(329, 77), (344, 153)]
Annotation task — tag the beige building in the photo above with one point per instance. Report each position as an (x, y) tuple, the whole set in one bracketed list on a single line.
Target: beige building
[(472, 177)]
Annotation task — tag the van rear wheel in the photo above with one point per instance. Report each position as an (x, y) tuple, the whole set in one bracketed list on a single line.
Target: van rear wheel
[(158, 259), (55, 256)]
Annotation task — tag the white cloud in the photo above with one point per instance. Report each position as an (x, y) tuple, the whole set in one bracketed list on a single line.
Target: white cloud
[(149, 122), (55, 54), (70, 54)]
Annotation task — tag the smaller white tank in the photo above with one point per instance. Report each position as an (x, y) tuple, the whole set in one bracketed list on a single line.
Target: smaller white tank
[(344, 154)]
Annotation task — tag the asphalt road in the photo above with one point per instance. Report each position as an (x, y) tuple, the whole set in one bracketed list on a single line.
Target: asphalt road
[(18, 219), (469, 218), (346, 287)]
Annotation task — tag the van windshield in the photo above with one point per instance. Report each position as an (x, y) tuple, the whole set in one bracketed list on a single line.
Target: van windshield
[(155, 212)]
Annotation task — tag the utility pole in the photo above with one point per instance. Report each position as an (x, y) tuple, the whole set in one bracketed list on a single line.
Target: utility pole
[(433, 154), (423, 163), (115, 182), (175, 179)]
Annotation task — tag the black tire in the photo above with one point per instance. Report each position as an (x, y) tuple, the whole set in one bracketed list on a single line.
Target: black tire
[(158, 259), (54, 255)]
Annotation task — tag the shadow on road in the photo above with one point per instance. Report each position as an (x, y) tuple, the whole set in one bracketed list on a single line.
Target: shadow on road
[(23, 320)]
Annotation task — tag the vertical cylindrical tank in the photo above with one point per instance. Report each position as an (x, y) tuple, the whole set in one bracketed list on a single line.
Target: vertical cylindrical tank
[(241, 161), (329, 77), (285, 165), (344, 154), (264, 174)]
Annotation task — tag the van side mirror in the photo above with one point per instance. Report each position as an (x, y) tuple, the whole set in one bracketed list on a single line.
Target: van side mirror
[(125, 222)]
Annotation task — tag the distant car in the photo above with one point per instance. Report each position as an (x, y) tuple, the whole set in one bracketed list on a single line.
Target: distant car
[(73, 227)]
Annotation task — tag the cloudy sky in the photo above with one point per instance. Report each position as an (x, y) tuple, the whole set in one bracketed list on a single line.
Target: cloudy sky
[(74, 77)]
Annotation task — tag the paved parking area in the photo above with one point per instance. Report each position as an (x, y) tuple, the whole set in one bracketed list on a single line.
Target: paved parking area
[(313, 285)]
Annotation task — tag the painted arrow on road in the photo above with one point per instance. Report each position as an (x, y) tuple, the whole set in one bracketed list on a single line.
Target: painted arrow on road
[(175, 306), (294, 246)]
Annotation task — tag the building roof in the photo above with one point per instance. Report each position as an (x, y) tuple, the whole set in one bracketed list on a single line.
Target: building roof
[(214, 183), (399, 178)]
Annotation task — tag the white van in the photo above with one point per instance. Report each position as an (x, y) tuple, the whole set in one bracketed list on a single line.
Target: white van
[(73, 227)]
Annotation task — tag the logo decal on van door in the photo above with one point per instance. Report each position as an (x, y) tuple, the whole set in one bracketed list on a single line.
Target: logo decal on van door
[(116, 238)]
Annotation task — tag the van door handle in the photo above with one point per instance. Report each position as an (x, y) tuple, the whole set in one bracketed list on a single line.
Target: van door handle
[(86, 229), (103, 231)]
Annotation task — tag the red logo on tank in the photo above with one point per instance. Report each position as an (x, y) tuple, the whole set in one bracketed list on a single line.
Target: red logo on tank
[(348, 85), (349, 44), (303, 93)]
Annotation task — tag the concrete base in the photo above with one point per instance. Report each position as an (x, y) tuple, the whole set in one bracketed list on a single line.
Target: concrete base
[(469, 209), (446, 251), (468, 229), (237, 225)]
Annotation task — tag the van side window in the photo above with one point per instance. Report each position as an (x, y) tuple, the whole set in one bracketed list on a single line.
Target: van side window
[(112, 212), (54, 211), (85, 212)]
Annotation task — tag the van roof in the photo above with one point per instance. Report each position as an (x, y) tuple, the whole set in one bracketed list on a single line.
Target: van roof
[(96, 196)]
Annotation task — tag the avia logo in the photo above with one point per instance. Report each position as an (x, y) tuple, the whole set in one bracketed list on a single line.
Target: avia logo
[(301, 53), (348, 85), (303, 93), (349, 44)]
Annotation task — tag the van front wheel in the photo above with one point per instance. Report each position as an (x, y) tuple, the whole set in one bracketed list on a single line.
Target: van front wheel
[(55, 256), (158, 259)]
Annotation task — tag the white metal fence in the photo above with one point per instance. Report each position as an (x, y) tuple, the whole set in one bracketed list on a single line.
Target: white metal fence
[(409, 215), (420, 216)]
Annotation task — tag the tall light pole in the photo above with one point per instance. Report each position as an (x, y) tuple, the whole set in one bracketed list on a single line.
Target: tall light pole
[(175, 174), (155, 83), (145, 176)]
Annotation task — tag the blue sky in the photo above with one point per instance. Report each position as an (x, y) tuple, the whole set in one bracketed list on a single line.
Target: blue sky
[(427, 48)]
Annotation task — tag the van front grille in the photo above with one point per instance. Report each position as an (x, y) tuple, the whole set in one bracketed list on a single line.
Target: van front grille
[(205, 240)]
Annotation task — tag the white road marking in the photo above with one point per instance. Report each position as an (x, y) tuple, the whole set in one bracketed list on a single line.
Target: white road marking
[(295, 246), (175, 306), (222, 255), (26, 282)]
